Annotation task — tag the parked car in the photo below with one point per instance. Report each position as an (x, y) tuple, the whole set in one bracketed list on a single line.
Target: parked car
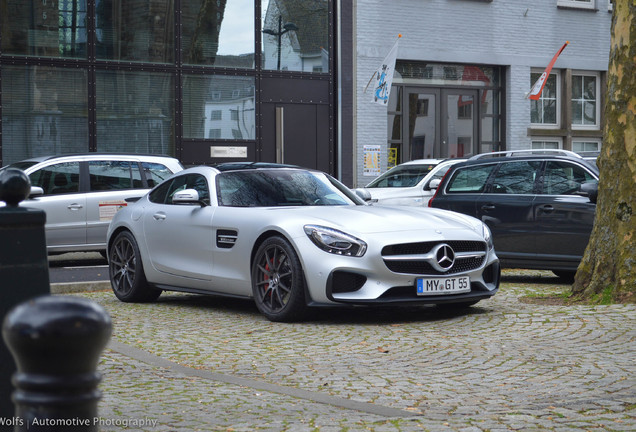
[(539, 206), (406, 184), (81, 193), (291, 238), (590, 156)]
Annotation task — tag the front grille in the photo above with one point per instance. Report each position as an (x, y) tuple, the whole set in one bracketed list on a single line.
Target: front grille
[(425, 247), (425, 267)]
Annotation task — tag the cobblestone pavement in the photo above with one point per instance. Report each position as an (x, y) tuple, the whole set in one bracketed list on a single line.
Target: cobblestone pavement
[(194, 363)]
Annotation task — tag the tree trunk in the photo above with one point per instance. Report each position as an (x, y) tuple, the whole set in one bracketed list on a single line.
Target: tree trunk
[(608, 270)]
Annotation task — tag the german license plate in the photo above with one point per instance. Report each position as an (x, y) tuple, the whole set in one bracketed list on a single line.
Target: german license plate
[(451, 285)]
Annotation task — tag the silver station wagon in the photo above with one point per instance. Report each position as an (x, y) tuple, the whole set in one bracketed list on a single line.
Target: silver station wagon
[(81, 193)]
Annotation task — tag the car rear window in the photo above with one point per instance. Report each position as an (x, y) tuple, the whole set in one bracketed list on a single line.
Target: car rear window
[(471, 179), (402, 176)]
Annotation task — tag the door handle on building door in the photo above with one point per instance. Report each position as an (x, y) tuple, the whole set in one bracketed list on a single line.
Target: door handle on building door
[(280, 135)]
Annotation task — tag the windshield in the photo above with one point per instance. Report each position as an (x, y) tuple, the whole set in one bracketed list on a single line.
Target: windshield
[(402, 176), (19, 165), (280, 187)]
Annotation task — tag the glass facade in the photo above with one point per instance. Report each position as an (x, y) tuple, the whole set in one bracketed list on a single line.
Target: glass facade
[(147, 76), (135, 111), (44, 111)]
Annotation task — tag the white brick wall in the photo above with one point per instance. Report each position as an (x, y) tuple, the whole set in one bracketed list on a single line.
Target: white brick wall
[(516, 34)]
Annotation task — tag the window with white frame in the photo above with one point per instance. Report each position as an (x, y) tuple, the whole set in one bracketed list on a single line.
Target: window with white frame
[(581, 145), (578, 4), (545, 111), (585, 100), (547, 144)]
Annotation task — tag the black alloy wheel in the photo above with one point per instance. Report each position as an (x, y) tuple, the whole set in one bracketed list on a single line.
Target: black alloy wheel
[(278, 281), (126, 271)]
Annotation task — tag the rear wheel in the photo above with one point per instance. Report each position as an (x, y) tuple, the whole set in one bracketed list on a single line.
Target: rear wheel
[(278, 281), (126, 271)]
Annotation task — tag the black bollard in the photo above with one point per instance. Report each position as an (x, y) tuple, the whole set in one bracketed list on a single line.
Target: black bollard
[(24, 268), (56, 342)]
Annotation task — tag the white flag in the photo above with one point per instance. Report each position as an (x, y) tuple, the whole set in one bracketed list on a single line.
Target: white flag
[(384, 77)]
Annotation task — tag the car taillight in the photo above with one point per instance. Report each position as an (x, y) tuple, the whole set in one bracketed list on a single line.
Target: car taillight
[(430, 201)]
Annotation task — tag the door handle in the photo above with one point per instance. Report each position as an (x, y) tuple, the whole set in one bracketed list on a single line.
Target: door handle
[(280, 135), (75, 206), (488, 207), (159, 216), (547, 208)]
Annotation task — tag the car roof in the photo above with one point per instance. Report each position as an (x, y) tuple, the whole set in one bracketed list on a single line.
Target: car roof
[(233, 166), (92, 155), (423, 162), (496, 157)]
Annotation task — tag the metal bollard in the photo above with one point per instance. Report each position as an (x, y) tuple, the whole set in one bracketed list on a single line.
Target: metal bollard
[(24, 268), (56, 343)]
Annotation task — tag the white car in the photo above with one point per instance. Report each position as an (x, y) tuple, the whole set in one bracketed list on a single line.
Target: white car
[(293, 238), (81, 193), (407, 184)]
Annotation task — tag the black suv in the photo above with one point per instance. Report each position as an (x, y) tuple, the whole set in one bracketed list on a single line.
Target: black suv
[(539, 205)]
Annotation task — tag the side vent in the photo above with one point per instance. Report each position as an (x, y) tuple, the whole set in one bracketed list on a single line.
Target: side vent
[(226, 239)]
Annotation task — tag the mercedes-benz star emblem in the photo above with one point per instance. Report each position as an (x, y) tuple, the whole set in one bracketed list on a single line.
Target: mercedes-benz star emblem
[(445, 256)]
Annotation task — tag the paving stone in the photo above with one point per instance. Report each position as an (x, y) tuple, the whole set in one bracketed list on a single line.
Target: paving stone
[(212, 364)]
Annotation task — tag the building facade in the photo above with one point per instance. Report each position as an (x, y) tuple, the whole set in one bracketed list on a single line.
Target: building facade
[(211, 81), (463, 70), (206, 81)]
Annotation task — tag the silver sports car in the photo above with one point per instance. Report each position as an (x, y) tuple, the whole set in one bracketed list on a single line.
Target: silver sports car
[(293, 238)]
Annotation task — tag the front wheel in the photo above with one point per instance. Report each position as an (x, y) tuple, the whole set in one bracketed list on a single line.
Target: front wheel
[(278, 281), (126, 271)]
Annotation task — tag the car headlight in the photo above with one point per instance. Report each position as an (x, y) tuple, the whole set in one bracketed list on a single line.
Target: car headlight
[(487, 236), (335, 242)]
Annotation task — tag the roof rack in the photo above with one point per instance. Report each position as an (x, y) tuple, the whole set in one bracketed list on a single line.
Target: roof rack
[(509, 153)]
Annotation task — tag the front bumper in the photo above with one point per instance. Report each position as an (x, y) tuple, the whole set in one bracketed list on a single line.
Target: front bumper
[(333, 279)]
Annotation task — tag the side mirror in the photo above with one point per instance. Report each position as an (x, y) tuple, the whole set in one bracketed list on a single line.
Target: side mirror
[(434, 184), (36, 191), (363, 193), (590, 190), (187, 196)]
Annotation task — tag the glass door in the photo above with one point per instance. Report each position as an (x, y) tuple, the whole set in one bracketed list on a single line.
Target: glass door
[(421, 124), (459, 123), (435, 123)]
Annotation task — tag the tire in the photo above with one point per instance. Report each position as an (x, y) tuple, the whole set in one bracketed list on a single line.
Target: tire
[(565, 275), (278, 281), (126, 271)]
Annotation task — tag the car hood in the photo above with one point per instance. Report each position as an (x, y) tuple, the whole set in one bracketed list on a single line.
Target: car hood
[(381, 219)]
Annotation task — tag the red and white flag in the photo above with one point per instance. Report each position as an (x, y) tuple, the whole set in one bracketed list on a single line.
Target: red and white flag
[(537, 88)]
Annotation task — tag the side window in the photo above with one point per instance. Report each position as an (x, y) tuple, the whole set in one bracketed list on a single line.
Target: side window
[(516, 177), (164, 193), (112, 175), (564, 178), (158, 196), (155, 173), (200, 184), (470, 179), (57, 179)]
